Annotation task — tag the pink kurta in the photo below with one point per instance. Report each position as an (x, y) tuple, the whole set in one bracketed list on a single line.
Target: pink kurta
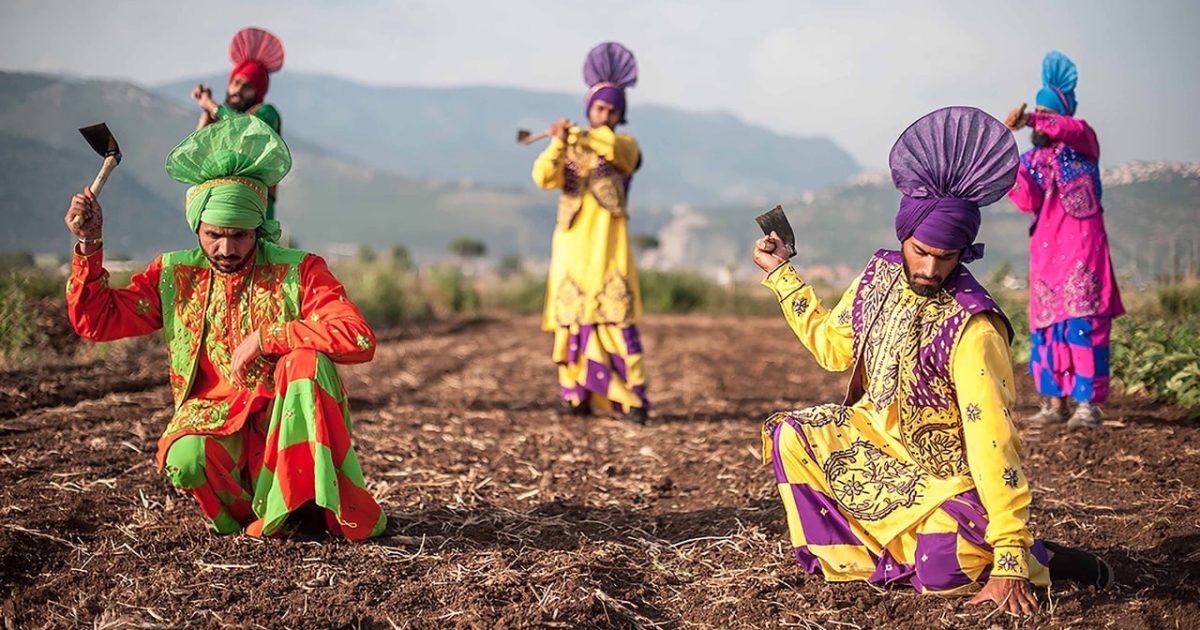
[(1070, 271)]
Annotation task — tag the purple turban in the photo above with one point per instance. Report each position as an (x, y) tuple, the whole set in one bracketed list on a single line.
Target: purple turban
[(947, 165), (608, 70)]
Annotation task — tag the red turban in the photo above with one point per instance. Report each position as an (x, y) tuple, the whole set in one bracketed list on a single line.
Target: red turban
[(256, 74)]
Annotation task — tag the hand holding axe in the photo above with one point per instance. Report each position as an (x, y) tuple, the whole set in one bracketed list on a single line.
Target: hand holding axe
[(526, 137), (104, 143), (776, 221)]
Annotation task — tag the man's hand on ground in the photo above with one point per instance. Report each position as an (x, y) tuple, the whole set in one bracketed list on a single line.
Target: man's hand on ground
[(1011, 595)]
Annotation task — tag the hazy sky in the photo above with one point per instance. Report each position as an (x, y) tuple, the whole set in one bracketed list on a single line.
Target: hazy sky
[(856, 71)]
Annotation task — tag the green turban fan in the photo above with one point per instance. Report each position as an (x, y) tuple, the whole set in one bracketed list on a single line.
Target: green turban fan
[(231, 164)]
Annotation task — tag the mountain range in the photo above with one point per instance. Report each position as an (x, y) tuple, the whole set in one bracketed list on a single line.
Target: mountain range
[(467, 134), (380, 169)]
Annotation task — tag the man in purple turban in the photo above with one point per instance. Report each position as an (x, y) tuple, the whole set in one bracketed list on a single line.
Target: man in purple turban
[(593, 301), (1073, 294), (916, 478)]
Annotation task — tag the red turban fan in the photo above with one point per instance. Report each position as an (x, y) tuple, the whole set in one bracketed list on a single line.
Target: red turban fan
[(256, 54)]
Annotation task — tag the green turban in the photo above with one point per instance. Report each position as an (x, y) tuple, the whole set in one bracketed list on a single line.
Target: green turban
[(231, 164)]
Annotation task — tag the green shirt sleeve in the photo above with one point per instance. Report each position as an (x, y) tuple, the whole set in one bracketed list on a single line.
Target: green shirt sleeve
[(268, 114)]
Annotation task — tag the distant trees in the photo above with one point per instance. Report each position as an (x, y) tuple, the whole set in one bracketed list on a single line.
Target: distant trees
[(643, 242), (468, 248)]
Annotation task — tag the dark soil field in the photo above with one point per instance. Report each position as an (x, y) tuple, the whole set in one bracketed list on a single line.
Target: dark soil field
[(505, 515)]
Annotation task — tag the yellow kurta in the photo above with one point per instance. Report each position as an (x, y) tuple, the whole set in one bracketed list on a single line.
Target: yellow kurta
[(857, 454), (593, 300), (592, 278)]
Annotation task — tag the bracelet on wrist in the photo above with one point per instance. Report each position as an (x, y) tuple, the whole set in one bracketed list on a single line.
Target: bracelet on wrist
[(90, 241)]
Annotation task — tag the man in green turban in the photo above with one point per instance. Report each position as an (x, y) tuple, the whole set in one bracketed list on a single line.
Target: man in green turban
[(261, 427)]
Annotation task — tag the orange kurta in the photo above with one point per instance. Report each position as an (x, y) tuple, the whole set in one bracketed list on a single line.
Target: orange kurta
[(306, 323)]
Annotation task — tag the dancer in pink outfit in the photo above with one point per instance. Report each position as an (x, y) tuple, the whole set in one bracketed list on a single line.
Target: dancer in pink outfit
[(1073, 295)]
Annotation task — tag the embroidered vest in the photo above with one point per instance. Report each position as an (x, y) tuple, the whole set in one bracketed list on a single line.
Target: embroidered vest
[(903, 349), (1063, 171), (185, 287), (586, 171)]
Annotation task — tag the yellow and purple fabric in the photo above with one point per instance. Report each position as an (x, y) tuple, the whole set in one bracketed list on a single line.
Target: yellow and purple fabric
[(601, 365), (944, 551), (593, 300), (916, 478), (1070, 358)]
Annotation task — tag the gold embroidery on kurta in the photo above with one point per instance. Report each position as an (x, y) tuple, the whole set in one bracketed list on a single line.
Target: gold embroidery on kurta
[(613, 302), (568, 302), (869, 484)]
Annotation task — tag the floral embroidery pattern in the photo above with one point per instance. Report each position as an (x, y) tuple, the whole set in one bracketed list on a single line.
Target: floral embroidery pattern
[(568, 302), (362, 341), (799, 305), (1043, 304), (190, 288), (229, 316), (1079, 201), (822, 415), (1008, 562), (1082, 292), (973, 412), (869, 484), (199, 414), (608, 187), (906, 351), (613, 302), (1010, 476)]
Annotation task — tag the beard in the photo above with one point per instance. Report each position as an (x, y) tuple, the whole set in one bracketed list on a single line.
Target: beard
[(227, 264), (1039, 139), (923, 290), (237, 103)]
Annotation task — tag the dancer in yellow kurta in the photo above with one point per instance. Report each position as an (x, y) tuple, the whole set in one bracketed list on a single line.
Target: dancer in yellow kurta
[(916, 477), (593, 301)]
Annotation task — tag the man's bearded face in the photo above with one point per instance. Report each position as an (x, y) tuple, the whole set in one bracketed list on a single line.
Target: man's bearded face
[(228, 249), (1039, 139), (927, 268), (603, 114), (241, 94)]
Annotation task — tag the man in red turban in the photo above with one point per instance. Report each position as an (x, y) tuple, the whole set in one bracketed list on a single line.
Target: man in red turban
[(256, 55)]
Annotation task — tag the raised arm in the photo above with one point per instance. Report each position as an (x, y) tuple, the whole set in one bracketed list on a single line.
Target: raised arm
[(1026, 194), (1071, 131), (828, 335), (97, 311)]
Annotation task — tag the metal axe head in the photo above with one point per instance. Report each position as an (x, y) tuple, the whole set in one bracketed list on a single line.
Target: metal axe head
[(776, 221), (102, 140), (522, 134)]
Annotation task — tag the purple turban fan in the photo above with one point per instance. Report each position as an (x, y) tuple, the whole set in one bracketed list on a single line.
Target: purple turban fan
[(947, 165), (608, 70)]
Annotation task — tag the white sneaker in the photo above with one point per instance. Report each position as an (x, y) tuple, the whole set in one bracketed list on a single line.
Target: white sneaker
[(1047, 415), (1086, 416)]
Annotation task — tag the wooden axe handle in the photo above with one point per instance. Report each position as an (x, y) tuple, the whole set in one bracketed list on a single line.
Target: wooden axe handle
[(534, 137), (110, 163), (106, 169)]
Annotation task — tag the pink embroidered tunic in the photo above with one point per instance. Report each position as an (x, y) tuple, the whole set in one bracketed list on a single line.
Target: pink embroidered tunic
[(1070, 271)]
